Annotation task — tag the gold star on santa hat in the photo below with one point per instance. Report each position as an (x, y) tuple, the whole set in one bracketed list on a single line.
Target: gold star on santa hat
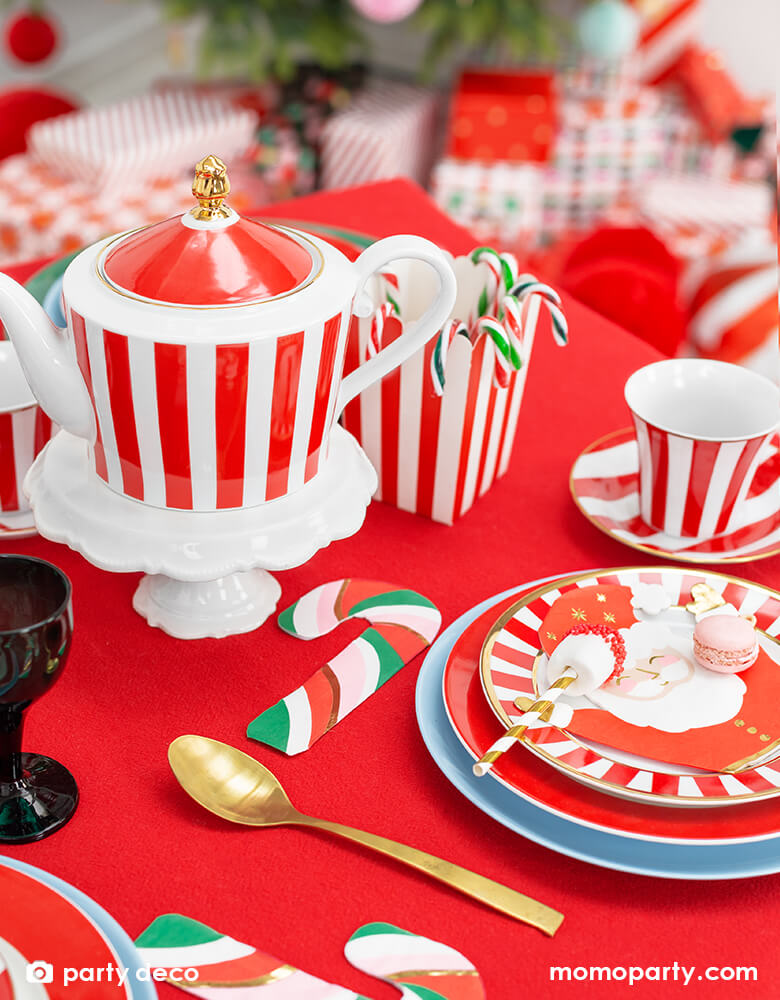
[(608, 604)]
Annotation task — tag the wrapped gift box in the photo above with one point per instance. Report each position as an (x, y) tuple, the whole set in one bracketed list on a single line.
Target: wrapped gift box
[(147, 138), (437, 451), (388, 130), (499, 203), (668, 28), (49, 216), (605, 148), (731, 299), (503, 116)]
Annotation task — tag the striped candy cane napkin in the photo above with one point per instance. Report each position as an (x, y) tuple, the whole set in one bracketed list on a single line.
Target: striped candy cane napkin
[(403, 624), (420, 967), (213, 966), (439, 430)]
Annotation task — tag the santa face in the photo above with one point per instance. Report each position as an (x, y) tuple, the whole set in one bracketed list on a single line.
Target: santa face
[(653, 676), (662, 686)]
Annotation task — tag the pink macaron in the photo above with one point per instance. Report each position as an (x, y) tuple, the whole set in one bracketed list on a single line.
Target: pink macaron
[(725, 643)]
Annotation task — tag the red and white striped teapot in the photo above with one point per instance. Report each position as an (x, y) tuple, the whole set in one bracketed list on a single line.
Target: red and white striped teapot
[(203, 356)]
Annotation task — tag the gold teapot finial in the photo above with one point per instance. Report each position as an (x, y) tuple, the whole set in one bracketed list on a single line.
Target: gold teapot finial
[(210, 186)]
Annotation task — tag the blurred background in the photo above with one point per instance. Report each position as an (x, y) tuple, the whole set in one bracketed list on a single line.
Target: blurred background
[(625, 150)]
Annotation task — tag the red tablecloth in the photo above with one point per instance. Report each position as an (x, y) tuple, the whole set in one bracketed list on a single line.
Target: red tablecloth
[(140, 847)]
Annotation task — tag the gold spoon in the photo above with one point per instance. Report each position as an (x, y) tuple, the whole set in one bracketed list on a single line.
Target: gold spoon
[(238, 788)]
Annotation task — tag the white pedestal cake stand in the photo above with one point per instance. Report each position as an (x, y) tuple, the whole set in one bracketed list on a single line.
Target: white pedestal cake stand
[(208, 572)]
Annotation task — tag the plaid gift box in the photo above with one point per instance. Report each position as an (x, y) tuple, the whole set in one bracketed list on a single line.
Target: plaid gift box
[(499, 202)]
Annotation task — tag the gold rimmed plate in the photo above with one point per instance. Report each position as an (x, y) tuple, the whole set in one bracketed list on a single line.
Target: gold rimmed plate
[(512, 663)]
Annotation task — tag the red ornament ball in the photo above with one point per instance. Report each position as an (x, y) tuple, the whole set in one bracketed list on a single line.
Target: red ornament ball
[(613, 637), (30, 37)]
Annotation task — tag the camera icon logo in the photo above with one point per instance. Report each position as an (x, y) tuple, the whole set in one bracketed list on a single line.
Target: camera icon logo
[(40, 972)]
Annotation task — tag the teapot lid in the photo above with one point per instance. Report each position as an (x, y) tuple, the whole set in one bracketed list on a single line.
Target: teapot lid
[(210, 256)]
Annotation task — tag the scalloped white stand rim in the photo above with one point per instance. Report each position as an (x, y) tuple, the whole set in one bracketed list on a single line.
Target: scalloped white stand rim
[(207, 571)]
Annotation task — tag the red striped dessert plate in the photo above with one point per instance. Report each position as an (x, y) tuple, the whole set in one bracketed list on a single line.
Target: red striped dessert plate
[(532, 780), (668, 703)]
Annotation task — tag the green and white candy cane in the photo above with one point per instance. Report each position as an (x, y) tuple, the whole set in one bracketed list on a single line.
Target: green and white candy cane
[(527, 285), (503, 268)]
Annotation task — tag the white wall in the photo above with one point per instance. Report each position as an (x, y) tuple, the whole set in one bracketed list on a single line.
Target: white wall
[(747, 33)]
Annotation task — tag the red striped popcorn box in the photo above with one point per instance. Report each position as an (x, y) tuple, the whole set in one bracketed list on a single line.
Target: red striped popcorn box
[(24, 430), (440, 430), (149, 137), (702, 428), (388, 130)]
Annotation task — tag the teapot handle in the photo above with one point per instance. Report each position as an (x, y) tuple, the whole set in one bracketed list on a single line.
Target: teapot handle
[(415, 334)]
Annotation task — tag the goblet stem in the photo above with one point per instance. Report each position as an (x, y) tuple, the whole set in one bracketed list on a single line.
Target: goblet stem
[(11, 724)]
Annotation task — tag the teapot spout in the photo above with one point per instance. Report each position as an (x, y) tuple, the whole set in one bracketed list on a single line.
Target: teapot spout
[(48, 361)]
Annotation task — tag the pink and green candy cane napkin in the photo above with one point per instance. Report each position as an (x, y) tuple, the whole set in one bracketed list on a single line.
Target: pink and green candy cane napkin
[(226, 968), (421, 968), (403, 624)]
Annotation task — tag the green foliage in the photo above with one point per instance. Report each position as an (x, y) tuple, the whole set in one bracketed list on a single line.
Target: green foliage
[(262, 37)]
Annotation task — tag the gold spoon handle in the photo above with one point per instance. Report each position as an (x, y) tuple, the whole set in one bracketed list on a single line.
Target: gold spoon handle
[(491, 893)]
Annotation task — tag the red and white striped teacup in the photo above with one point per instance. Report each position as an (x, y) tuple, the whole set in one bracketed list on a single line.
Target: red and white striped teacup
[(24, 430), (700, 427)]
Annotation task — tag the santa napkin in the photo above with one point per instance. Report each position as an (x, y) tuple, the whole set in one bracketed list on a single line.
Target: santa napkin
[(664, 706)]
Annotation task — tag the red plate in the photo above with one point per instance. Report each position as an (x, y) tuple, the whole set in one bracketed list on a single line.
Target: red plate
[(533, 780), (46, 927)]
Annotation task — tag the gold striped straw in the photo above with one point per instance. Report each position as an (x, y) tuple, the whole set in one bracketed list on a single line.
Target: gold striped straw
[(518, 731)]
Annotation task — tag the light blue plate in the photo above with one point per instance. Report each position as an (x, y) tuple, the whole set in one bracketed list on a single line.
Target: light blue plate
[(126, 951), (619, 853), (52, 303)]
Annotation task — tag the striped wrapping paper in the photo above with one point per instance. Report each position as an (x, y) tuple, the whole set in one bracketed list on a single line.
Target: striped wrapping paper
[(150, 137), (388, 130), (435, 455), (668, 27), (732, 305), (697, 217)]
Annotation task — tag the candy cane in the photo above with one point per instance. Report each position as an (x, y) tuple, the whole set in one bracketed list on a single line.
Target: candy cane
[(403, 624), (376, 333), (526, 285), (439, 357)]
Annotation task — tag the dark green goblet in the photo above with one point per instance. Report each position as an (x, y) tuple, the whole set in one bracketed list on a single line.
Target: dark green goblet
[(37, 795)]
